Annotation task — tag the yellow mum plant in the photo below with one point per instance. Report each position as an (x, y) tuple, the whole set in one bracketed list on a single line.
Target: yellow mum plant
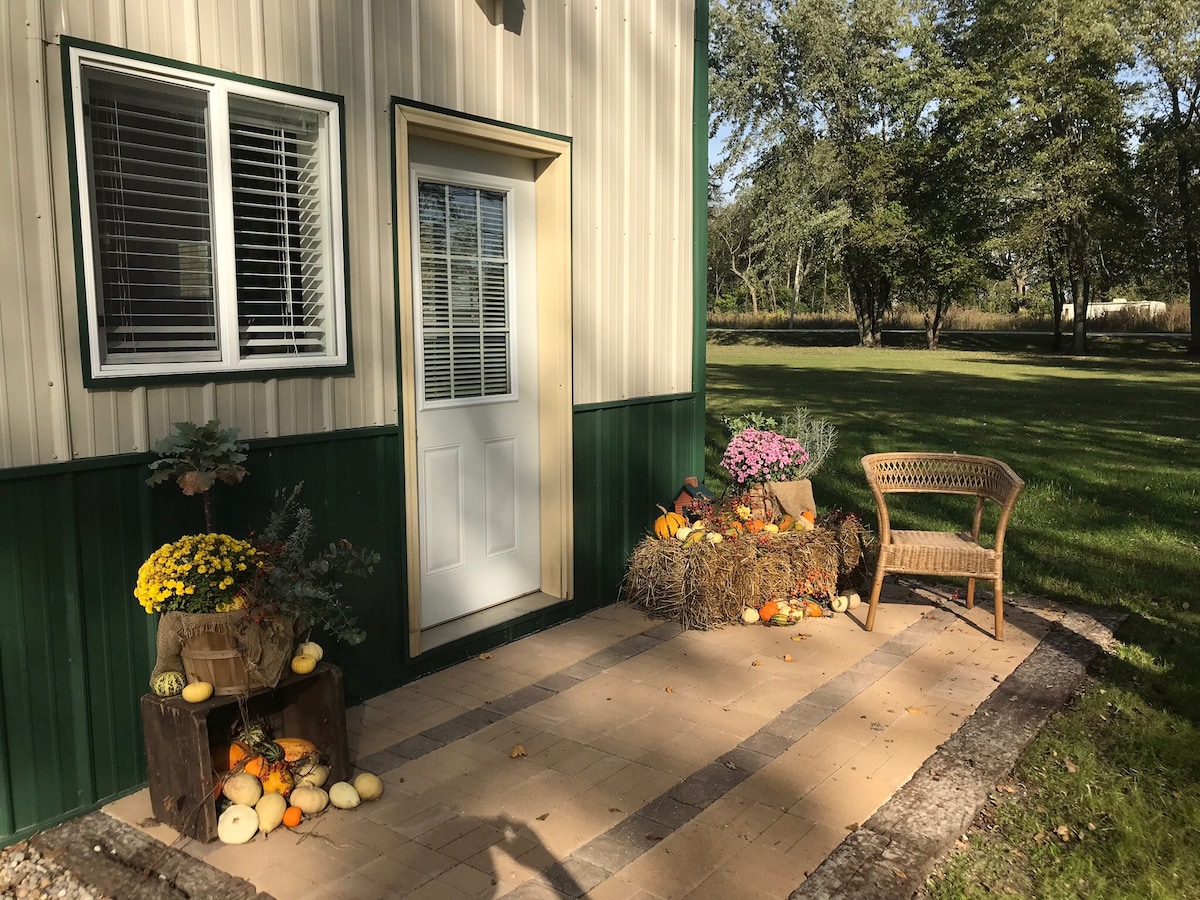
[(198, 573)]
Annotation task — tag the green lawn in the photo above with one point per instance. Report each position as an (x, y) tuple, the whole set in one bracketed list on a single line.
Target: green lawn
[(1108, 449)]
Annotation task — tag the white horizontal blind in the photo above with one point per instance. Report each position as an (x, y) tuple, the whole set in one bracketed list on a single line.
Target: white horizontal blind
[(465, 341), (152, 220), (280, 212)]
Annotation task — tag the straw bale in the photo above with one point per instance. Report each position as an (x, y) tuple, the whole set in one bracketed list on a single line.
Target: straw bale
[(708, 585)]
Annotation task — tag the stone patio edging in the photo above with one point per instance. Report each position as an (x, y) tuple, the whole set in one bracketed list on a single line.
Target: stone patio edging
[(893, 853)]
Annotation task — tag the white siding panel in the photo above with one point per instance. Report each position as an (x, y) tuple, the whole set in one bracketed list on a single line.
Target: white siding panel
[(614, 75)]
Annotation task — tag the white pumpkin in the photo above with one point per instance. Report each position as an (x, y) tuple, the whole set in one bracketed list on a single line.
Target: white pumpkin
[(749, 615), (369, 786), (310, 648), (237, 824), (311, 800), (315, 775), (270, 809), (243, 789), (853, 600), (840, 603), (344, 796)]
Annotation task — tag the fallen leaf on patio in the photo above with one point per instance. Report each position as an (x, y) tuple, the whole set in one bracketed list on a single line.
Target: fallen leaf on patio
[(900, 874), (1070, 766), (517, 751), (670, 690), (996, 678), (543, 817), (1063, 832), (877, 726), (654, 837), (730, 765), (799, 637), (853, 826), (915, 711), (485, 656), (615, 809), (787, 657), (756, 663)]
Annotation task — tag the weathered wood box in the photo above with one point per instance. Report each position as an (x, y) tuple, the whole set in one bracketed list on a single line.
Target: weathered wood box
[(180, 735)]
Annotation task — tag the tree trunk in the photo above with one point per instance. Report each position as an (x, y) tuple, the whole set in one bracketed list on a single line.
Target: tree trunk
[(1077, 252), (1056, 298), (933, 322), (1190, 252)]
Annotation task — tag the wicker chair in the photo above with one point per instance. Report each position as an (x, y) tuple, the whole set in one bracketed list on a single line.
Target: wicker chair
[(936, 552)]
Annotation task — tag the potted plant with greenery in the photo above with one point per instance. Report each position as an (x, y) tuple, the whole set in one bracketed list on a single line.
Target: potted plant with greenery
[(775, 459)]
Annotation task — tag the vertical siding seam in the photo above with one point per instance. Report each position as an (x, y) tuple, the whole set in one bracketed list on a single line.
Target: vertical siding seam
[(56, 346), (373, 237), (627, 194), (258, 39), (314, 30), (654, 311)]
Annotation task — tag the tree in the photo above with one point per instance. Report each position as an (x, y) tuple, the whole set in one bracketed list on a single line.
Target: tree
[(1167, 34)]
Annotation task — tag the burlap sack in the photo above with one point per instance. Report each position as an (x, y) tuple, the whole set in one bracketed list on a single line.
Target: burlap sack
[(265, 647), (776, 499)]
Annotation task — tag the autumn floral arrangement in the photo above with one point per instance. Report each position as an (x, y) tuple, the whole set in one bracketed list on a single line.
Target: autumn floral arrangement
[(198, 573), (756, 456)]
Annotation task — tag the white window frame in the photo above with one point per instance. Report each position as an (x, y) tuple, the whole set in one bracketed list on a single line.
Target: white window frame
[(504, 186), (219, 89)]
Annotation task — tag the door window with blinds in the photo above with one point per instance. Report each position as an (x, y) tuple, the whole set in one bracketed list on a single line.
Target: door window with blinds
[(463, 293), (210, 221)]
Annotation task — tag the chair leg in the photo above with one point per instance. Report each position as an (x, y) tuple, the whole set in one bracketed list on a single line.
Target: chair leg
[(876, 586), (999, 584), (970, 593)]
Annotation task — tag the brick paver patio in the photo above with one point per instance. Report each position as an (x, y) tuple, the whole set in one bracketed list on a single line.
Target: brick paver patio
[(657, 763)]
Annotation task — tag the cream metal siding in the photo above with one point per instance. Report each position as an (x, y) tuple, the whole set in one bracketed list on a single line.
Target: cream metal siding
[(614, 75)]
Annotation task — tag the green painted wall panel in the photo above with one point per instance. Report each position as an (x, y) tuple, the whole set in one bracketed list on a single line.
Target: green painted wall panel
[(77, 650)]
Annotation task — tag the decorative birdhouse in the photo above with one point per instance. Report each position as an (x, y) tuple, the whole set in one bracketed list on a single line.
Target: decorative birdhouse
[(691, 492)]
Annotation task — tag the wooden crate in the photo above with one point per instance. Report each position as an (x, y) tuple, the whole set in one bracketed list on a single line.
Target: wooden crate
[(180, 735)]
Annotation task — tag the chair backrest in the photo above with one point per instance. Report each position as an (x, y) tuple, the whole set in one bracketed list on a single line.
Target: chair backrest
[(942, 473)]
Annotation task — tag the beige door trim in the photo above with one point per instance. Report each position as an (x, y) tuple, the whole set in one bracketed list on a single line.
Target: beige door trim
[(552, 186)]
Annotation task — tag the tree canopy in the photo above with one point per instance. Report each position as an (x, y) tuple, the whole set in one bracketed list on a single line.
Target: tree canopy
[(923, 151)]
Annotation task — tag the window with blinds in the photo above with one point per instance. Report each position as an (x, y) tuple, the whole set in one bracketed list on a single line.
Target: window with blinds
[(211, 222), (464, 296)]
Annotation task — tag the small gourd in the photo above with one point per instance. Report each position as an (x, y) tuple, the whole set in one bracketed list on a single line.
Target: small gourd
[(344, 796), (749, 615), (814, 609), (270, 809), (694, 538), (683, 533), (243, 788), (316, 776), (854, 599), (786, 523), (312, 800), (310, 648), (303, 664), (770, 528), (840, 603), (781, 619), (754, 526), (296, 749), (197, 692), (768, 610), (714, 537), (237, 824), (168, 684), (369, 786), (667, 524)]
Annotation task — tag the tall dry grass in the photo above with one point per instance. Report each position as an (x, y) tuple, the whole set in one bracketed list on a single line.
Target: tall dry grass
[(1176, 319)]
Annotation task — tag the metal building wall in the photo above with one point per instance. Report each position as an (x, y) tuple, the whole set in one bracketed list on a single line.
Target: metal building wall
[(615, 75)]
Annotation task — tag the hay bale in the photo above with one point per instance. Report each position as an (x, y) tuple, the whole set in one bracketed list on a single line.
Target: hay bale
[(708, 585)]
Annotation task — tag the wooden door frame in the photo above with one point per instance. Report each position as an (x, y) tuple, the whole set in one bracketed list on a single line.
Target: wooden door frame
[(552, 189)]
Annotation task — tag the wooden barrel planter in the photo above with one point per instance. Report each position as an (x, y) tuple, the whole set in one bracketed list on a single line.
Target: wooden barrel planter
[(213, 656)]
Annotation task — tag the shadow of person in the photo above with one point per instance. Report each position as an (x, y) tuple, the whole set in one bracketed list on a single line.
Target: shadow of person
[(521, 844)]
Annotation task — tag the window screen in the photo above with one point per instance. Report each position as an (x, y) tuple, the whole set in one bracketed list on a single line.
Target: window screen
[(463, 249)]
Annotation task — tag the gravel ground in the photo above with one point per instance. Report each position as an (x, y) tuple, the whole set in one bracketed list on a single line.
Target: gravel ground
[(25, 873)]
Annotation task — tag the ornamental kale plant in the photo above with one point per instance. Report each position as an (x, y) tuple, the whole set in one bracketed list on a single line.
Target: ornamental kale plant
[(755, 456)]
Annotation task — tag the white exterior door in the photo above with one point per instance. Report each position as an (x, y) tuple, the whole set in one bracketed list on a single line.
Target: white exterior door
[(475, 314)]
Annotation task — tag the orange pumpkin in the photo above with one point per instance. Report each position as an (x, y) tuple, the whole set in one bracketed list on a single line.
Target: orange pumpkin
[(292, 816), (813, 609), (786, 523), (810, 515), (754, 526), (767, 610), (236, 756), (296, 749), (277, 779)]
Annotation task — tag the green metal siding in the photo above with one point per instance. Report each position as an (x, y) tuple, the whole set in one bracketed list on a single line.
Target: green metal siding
[(76, 649)]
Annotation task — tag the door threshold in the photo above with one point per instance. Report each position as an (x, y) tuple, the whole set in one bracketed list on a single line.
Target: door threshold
[(447, 632)]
